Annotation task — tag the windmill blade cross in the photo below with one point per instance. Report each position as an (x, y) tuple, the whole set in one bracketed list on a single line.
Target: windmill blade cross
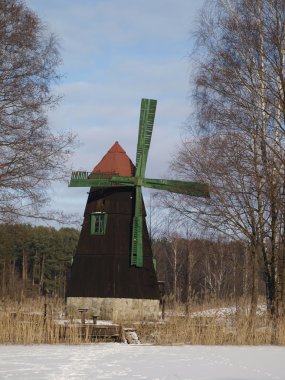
[(105, 179)]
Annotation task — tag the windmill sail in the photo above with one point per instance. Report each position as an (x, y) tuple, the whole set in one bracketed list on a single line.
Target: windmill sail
[(195, 189), (147, 114)]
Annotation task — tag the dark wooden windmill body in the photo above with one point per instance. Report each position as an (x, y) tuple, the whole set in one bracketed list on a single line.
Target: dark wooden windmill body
[(113, 271), (101, 266)]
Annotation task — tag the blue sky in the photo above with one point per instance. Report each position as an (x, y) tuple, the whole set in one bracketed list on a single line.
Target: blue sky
[(114, 53)]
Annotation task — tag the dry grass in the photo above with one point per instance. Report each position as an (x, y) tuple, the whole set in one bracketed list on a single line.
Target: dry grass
[(213, 331), (33, 323), (36, 321)]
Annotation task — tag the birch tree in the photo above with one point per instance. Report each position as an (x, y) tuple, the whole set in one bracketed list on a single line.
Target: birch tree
[(239, 144)]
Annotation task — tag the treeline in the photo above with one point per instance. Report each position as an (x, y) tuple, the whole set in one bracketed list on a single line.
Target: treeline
[(200, 269), (35, 260)]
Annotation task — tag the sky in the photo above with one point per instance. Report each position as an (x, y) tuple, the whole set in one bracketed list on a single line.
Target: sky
[(115, 52)]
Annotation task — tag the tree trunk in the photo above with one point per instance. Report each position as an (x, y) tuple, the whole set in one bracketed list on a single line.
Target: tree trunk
[(188, 279), (254, 292), (24, 266), (42, 268), (175, 274), (3, 278)]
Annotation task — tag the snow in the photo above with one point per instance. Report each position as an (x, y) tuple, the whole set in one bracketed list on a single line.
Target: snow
[(226, 311), (122, 361), (87, 321)]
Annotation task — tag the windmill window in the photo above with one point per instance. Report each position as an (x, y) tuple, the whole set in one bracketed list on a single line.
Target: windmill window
[(98, 223)]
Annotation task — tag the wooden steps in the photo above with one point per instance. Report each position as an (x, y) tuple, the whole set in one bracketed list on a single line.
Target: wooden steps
[(100, 332)]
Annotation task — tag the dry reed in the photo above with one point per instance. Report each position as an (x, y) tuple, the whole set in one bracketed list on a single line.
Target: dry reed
[(34, 323), (213, 331)]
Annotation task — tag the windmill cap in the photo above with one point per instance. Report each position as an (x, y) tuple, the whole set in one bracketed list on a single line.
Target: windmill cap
[(116, 148), (115, 162)]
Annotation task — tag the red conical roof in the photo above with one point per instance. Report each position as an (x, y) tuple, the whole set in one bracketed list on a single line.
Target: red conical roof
[(115, 162)]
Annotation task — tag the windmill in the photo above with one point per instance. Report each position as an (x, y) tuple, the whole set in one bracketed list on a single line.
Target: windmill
[(114, 231)]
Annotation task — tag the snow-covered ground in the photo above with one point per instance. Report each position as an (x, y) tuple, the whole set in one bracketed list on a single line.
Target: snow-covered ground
[(122, 361), (227, 311)]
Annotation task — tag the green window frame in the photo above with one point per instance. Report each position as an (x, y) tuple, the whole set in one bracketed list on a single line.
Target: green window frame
[(98, 223)]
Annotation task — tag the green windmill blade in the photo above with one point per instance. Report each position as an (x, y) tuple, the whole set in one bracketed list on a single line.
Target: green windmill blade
[(195, 189), (82, 179), (85, 179), (147, 114), (137, 244)]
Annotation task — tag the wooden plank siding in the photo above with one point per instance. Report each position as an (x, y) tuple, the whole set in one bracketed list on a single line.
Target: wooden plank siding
[(101, 266)]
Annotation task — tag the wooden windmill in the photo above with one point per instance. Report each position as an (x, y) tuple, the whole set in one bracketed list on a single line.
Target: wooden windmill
[(113, 271)]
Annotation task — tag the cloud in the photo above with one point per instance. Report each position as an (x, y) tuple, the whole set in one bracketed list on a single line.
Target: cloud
[(115, 52)]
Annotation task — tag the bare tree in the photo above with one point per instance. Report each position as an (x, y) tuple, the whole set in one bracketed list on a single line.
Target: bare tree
[(239, 147), (31, 154)]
